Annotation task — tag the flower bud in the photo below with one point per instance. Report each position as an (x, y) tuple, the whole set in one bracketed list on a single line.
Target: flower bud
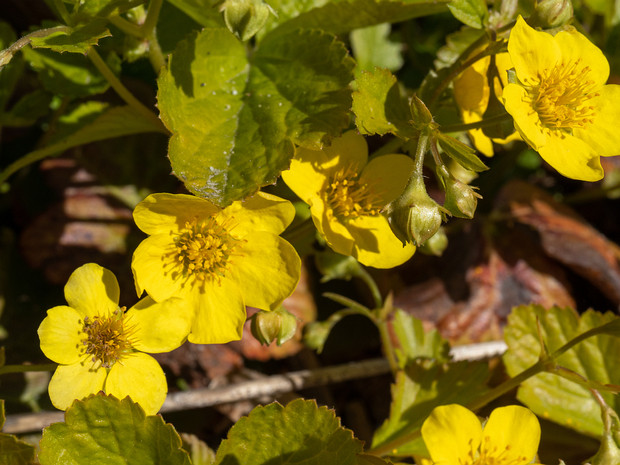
[(422, 117), (414, 216), (551, 13), (436, 244), (461, 199), (245, 18), (278, 325)]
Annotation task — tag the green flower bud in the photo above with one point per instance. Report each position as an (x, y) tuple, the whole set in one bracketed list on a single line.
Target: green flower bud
[(278, 325), (414, 216), (436, 244), (461, 199), (552, 13), (422, 117), (245, 18)]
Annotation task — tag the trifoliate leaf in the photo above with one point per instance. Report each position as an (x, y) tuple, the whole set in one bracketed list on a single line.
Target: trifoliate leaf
[(379, 106), (473, 13), (596, 359), (102, 429), (235, 120), (74, 40), (300, 433), (422, 386)]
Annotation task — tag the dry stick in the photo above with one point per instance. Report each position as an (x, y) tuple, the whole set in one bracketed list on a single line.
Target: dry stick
[(269, 386)]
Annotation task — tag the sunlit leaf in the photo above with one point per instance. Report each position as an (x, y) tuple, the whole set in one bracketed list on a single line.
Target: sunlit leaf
[(102, 429), (473, 13), (551, 396), (414, 342), (372, 47), (300, 433), (463, 154), (418, 389), (234, 120), (74, 40)]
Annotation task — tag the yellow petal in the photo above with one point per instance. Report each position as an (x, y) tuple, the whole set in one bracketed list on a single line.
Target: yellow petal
[(531, 51), (471, 88), (525, 118), (387, 175), (335, 232), (304, 177), (261, 212), (513, 433), (76, 381), (220, 314), (61, 335), (349, 149), (452, 433), (603, 135), (375, 243), (92, 290), (575, 47), (572, 158), (140, 377), (162, 212), (268, 271), (156, 270), (160, 327)]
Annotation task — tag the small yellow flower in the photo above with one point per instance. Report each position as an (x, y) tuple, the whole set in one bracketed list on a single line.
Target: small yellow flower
[(561, 105), (220, 260), (347, 193), (100, 346), (454, 435), (472, 92)]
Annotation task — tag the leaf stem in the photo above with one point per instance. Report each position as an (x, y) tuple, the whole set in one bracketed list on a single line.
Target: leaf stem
[(120, 89), (26, 368), (7, 53), (149, 29), (127, 27)]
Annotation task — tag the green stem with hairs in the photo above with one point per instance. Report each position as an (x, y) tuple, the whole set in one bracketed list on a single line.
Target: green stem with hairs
[(149, 29)]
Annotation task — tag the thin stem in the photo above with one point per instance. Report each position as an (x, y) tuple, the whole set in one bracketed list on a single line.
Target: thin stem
[(386, 344), (149, 29), (26, 368), (420, 153), (120, 89), (62, 11), (127, 27), (477, 125), (7, 53), (392, 146), (372, 286)]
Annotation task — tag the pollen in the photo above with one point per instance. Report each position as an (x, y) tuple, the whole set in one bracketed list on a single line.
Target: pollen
[(493, 455), (562, 97), (204, 248), (349, 197), (107, 339)]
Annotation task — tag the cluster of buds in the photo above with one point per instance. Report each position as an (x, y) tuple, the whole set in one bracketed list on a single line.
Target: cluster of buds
[(245, 18), (278, 325)]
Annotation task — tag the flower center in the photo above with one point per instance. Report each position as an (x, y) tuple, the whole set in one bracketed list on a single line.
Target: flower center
[(107, 339), (204, 248), (349, 198), (493, 455), (561, 99)]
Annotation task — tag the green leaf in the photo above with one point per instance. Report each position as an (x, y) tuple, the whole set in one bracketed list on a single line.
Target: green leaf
[(300, 433), (234, 121), (67, 74), (340, 16), (102, 429), (421, 387), (11, 72), (199, 452), (27, 110), (551, 396), (473, 13), (15, 452), (378, 105), (205, 15), (102, 8), (373, 48), (90, 122), (414, 342), (73, 40), (463, 154)]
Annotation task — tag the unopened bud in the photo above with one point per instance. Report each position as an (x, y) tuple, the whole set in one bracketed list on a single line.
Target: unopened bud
[(436, 244), (245, 18), (422, 117), (414, 216), (551, 13), (461, 199), (278, 325)]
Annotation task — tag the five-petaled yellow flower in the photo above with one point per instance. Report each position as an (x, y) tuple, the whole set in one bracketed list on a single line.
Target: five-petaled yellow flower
[(218, 260), (346, 194), (454, 435), (100, 346), (561, 105)]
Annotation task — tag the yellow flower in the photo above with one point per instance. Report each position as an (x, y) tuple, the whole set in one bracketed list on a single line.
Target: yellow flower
[(346, 194), (561, 105), (454, 435), (472, 92), (220, 260), (100, 346)]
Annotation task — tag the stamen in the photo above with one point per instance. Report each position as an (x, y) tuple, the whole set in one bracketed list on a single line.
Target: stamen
[(349, 198), (107, 339)]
